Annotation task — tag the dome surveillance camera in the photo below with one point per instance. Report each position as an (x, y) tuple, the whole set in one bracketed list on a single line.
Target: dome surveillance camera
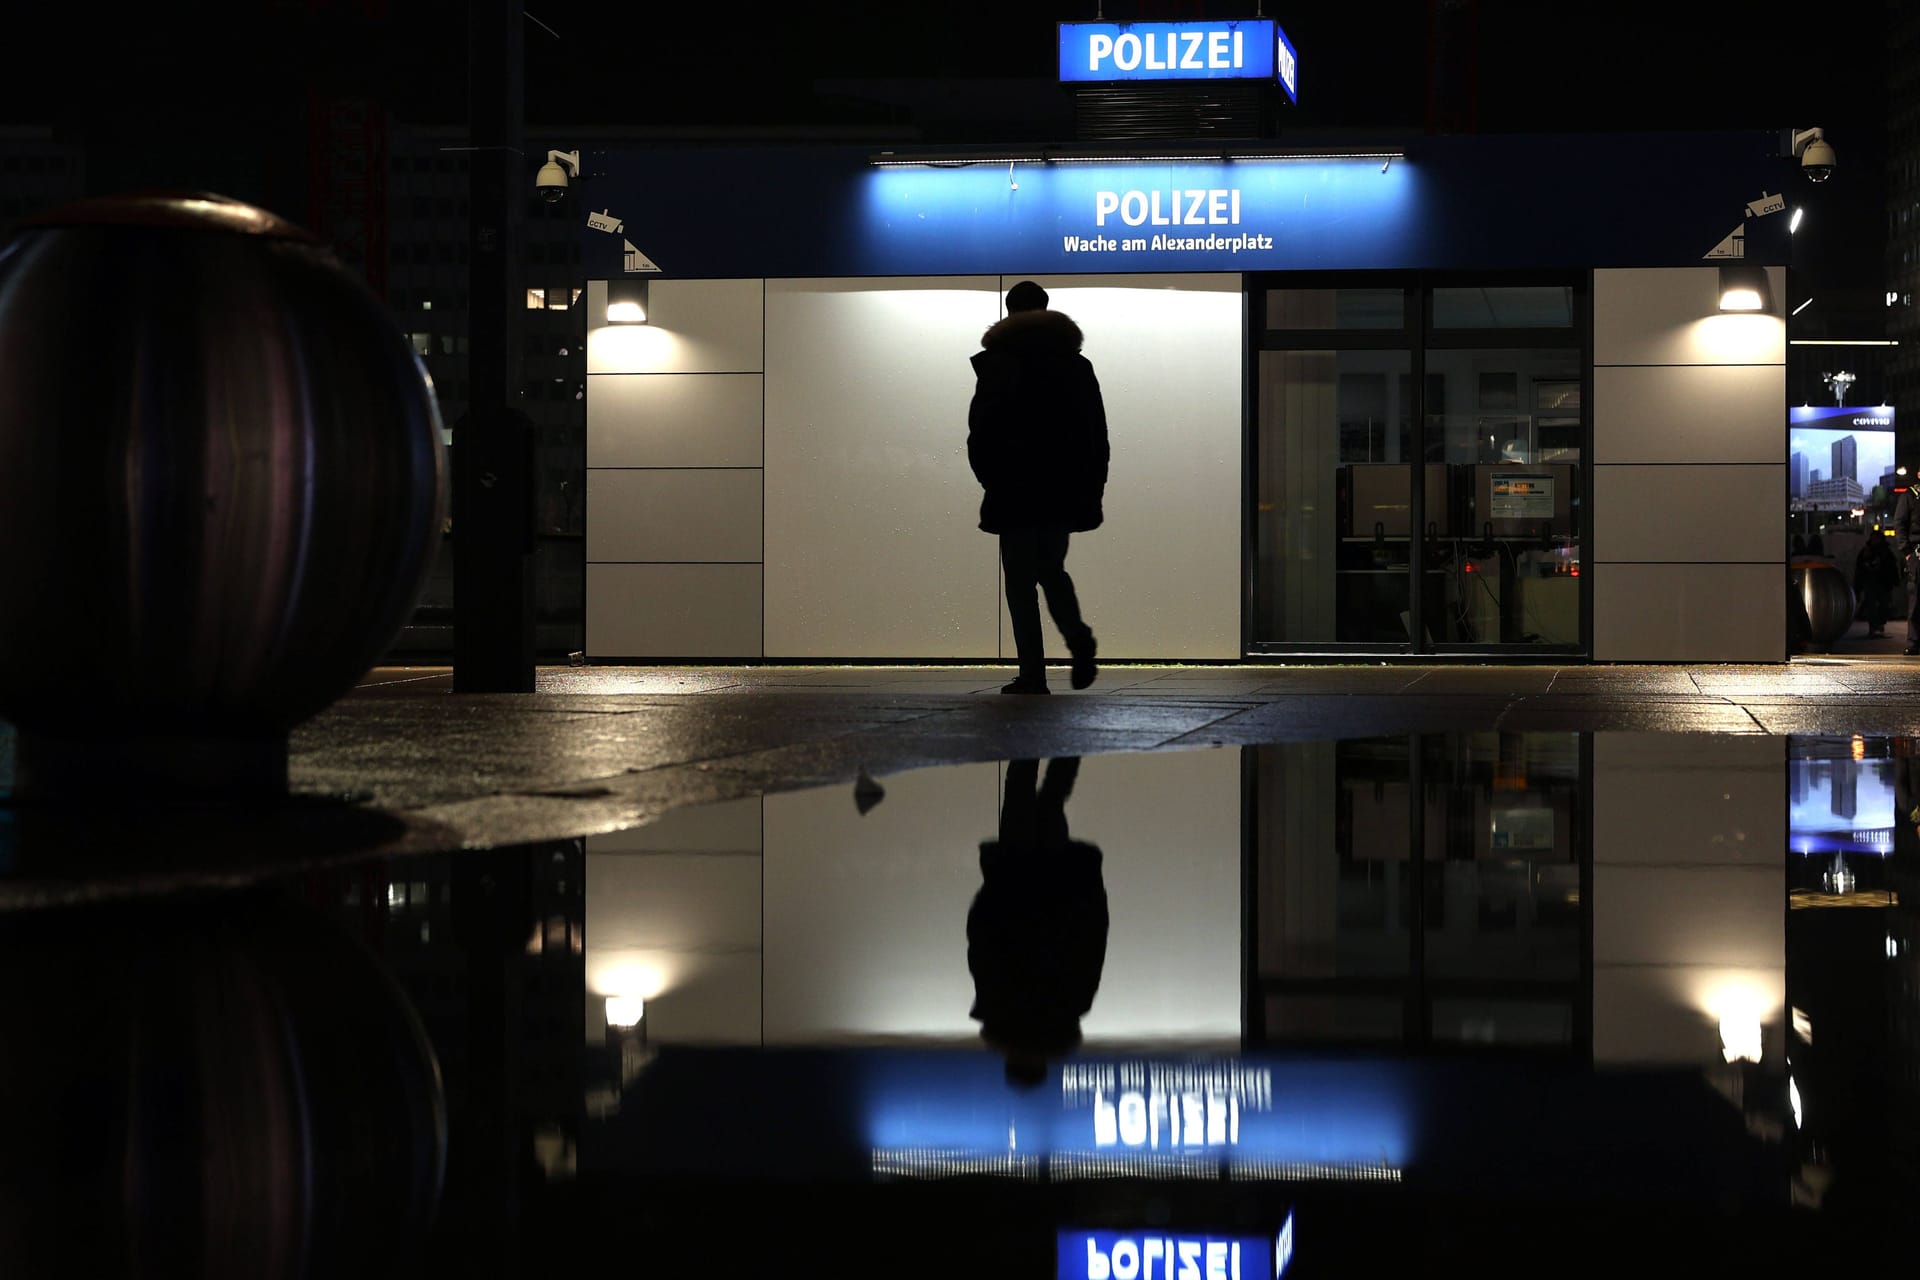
[(1817, 160), (1816, 154), (551, 181)]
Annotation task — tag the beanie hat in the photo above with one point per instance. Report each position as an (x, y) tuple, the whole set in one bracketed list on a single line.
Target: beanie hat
[(1026, 296)]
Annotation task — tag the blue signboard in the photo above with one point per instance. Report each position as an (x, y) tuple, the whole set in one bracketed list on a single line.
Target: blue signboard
[(1863, 417), (1287, 64), (1159, 1254), (1479, 203), (1236, 215), (1243, 49)]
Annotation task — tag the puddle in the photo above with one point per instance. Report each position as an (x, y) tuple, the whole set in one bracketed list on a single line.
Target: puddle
[(1316, 1007)]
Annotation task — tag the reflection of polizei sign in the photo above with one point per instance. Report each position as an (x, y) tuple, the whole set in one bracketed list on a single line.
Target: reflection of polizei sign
[(1155, 1105), (1244, 49), (1170, 1255)]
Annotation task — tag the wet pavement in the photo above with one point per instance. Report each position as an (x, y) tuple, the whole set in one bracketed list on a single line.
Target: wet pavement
[(597, 748), (1502, 997)]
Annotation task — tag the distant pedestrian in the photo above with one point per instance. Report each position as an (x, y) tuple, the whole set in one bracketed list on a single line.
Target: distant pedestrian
[(1906, 546), (1037, 440), (1875, 574)]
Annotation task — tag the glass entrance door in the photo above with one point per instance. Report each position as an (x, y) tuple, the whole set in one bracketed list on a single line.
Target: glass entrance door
[(1418, 481)]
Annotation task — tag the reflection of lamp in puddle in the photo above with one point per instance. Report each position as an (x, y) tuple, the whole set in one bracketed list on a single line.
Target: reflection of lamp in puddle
[(627, 1034), (625, 1012), (1740, 1036), (1741, 1011)]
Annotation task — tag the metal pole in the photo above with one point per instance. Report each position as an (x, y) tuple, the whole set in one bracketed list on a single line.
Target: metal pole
[(493, 472)]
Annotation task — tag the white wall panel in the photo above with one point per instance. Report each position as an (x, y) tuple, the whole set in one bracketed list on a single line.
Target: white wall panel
[(1690, 413), (871, 936), (693, 326), (1673, 316), (730, 827), (1663, 798), (1695, 513), (673, 610), (1161, 578), (1689, 894), (682, 932), (873, 548), (673, 420), (1689, 612), (673, 515)]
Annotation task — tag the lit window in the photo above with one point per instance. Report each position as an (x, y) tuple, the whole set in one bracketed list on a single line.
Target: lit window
[(396, 895), (536, 299), (557, 299), (426, 304), (576, 297), (422, 343)]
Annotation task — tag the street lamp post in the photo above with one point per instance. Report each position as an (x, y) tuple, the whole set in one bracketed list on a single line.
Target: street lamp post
[(493, 522)]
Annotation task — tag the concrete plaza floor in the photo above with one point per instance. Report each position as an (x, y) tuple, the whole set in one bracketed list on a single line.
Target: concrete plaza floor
[(598, 748), (404, 765)]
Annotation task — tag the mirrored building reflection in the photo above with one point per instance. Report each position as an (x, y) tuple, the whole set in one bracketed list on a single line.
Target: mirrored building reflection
[(1360, 1003)]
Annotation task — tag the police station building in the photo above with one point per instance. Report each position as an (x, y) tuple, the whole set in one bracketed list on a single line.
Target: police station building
[(1457, 395)]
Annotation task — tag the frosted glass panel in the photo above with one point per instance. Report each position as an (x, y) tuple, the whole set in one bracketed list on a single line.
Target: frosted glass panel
[(873, 549), (1161, 578)]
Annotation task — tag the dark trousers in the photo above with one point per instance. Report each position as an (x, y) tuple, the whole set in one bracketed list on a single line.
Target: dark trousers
[(1875, 605), (1037, 558), (1913, 604)]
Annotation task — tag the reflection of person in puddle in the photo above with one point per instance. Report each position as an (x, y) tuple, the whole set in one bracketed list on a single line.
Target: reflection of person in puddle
[(1037, 932)]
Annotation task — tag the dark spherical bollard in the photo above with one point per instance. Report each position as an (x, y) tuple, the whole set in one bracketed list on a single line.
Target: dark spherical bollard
[(221, 489), (1829, 601), (212, 1087)]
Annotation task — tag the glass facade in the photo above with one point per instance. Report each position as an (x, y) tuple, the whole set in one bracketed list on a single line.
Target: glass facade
[(1418, 458), (1437, 900)]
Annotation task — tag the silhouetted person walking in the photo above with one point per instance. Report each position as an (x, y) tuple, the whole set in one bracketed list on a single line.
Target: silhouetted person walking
[(1037, 931), (1037, 439)]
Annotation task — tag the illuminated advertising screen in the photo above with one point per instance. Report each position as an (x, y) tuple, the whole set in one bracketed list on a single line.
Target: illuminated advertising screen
[(1837, 455), (1841, 806)]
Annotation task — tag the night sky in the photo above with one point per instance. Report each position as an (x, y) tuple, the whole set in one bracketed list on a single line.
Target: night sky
[(211, 92)]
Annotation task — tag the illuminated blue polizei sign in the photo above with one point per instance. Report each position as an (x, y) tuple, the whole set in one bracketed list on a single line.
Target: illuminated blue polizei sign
[(1073, 217), (1166, 1255), (1346, 1120), (1243, 49)]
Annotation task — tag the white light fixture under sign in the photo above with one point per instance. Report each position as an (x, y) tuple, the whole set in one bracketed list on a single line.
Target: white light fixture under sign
[(626, 302), (1743, 288), (625, 1011)]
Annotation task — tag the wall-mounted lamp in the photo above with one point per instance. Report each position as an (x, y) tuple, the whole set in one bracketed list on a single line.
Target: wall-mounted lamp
[(626, 302), (1744, 288)]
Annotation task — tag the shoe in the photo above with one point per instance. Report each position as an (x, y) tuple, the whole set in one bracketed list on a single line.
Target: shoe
[(1083, 669), (1024, 685)]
